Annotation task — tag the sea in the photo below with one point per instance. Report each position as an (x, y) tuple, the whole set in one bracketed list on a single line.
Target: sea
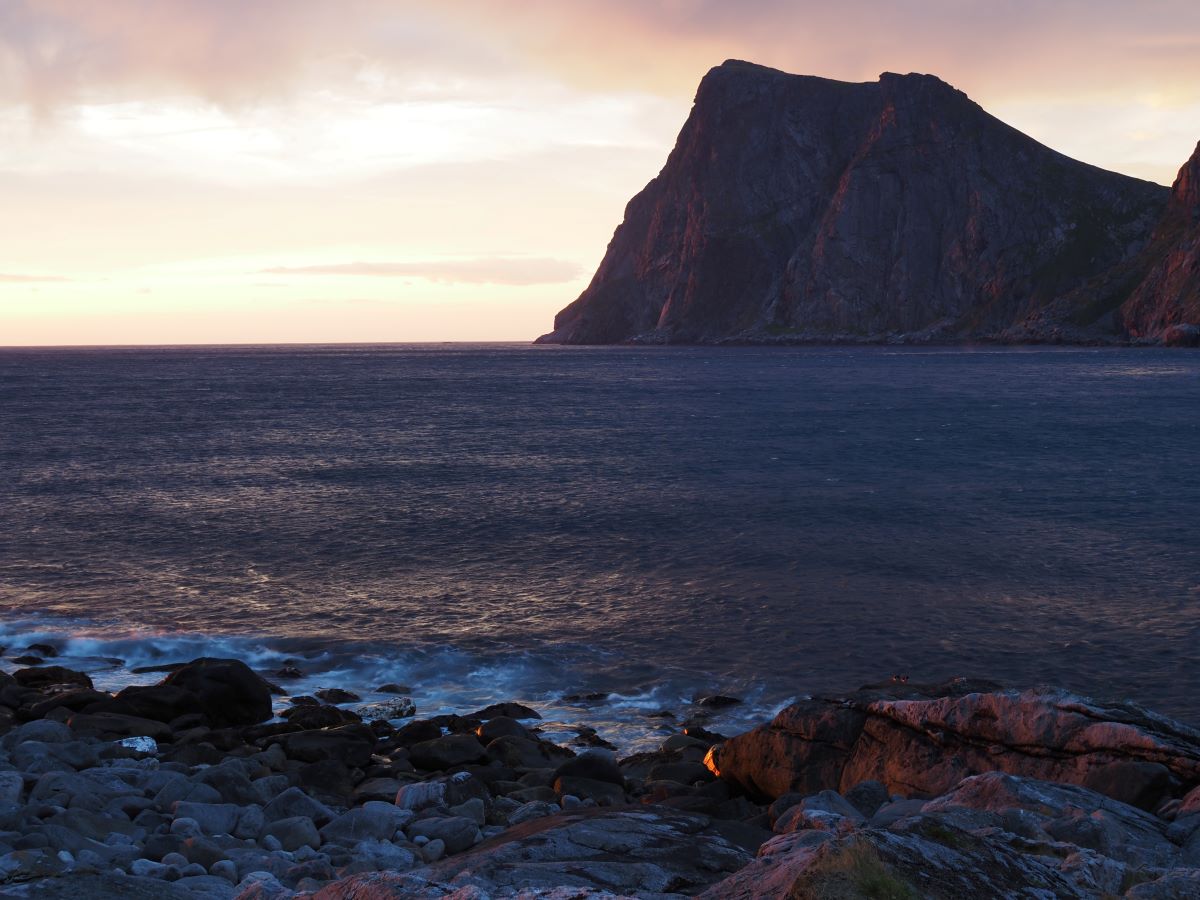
[(609, 534)]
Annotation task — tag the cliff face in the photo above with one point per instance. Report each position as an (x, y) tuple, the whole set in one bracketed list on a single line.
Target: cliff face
[(799, 207), (1166, 303)]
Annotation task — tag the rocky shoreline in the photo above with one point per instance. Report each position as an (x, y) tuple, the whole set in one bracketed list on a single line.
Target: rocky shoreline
[(191, 787)]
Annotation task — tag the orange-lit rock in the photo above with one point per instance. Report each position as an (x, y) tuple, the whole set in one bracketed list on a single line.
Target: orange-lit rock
[(922, 740)]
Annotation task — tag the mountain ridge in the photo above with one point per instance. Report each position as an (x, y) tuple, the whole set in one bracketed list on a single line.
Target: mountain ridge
[(796, 208)]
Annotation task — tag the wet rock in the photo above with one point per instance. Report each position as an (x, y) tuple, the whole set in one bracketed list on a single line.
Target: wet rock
[(415, 733), (510, 710), (501, 726), (47, 676), (447, 752), (228, 691), (400, 708), (337, 695), (526, 753), (717, 701), (309, 718), (455, 832), (393, 688)]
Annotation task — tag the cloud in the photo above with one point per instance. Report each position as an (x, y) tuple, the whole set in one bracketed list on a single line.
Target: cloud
[(12, 278), (481, 270)]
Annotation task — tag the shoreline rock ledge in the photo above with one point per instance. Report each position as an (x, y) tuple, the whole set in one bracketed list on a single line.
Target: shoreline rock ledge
[(183, 791), (922, 740)]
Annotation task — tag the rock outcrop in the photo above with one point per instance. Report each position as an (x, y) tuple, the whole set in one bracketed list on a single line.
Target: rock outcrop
[(1166, 302), (923, 740), (993, 835), (795, 208)]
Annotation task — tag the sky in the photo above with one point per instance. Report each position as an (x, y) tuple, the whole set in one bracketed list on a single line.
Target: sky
[(273, 171)]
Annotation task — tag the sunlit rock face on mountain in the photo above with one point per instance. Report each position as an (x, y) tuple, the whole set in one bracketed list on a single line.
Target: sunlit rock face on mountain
[(1166, 302), (795, 207)]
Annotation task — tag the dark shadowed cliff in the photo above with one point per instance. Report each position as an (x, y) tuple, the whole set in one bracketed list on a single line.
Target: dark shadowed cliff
[(1166, 302), (796, 208)]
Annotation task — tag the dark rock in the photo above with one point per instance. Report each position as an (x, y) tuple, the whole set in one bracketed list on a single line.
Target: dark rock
[(717, 701), (288, 672), (329, 781), (294, 802), (72, 700), (1142, 784), (337, 695), (348, 744), (45, 676), (456, 832), (596, 765), (392, 688), (511, 710), (526, 753), (501, 726), (294, 833), (683, 772), (310, 717), (867, 797), (447, 752), (228, 690), (803, 208), (116, 725), (415, 733), (604, 793), (162, 667), (163, 703), (28, 660), (46, 651)]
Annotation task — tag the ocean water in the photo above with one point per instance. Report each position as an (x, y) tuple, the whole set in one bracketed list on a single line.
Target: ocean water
[(492, 522)]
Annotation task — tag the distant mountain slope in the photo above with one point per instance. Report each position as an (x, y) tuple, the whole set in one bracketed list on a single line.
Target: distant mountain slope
[(795, 208), (1166, 303)]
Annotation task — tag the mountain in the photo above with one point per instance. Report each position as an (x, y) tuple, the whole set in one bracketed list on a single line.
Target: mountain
[(800, 208), (1166, 302)]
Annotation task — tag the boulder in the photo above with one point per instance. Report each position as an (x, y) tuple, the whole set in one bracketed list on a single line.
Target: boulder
[(374, 820), (447, 751), (348, 744), (923, 740), (527, 753), (294, 802), (228, 691), (45, 676), (457, 833), (510, 710)]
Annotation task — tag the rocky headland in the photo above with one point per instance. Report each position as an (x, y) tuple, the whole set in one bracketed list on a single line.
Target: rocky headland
[(797, 209), (192, 788)]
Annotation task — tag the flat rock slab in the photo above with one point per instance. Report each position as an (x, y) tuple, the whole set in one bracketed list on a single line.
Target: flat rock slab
[(648, 852)]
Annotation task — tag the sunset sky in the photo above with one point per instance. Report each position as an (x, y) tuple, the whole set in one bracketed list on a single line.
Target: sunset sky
[(221, 171)]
